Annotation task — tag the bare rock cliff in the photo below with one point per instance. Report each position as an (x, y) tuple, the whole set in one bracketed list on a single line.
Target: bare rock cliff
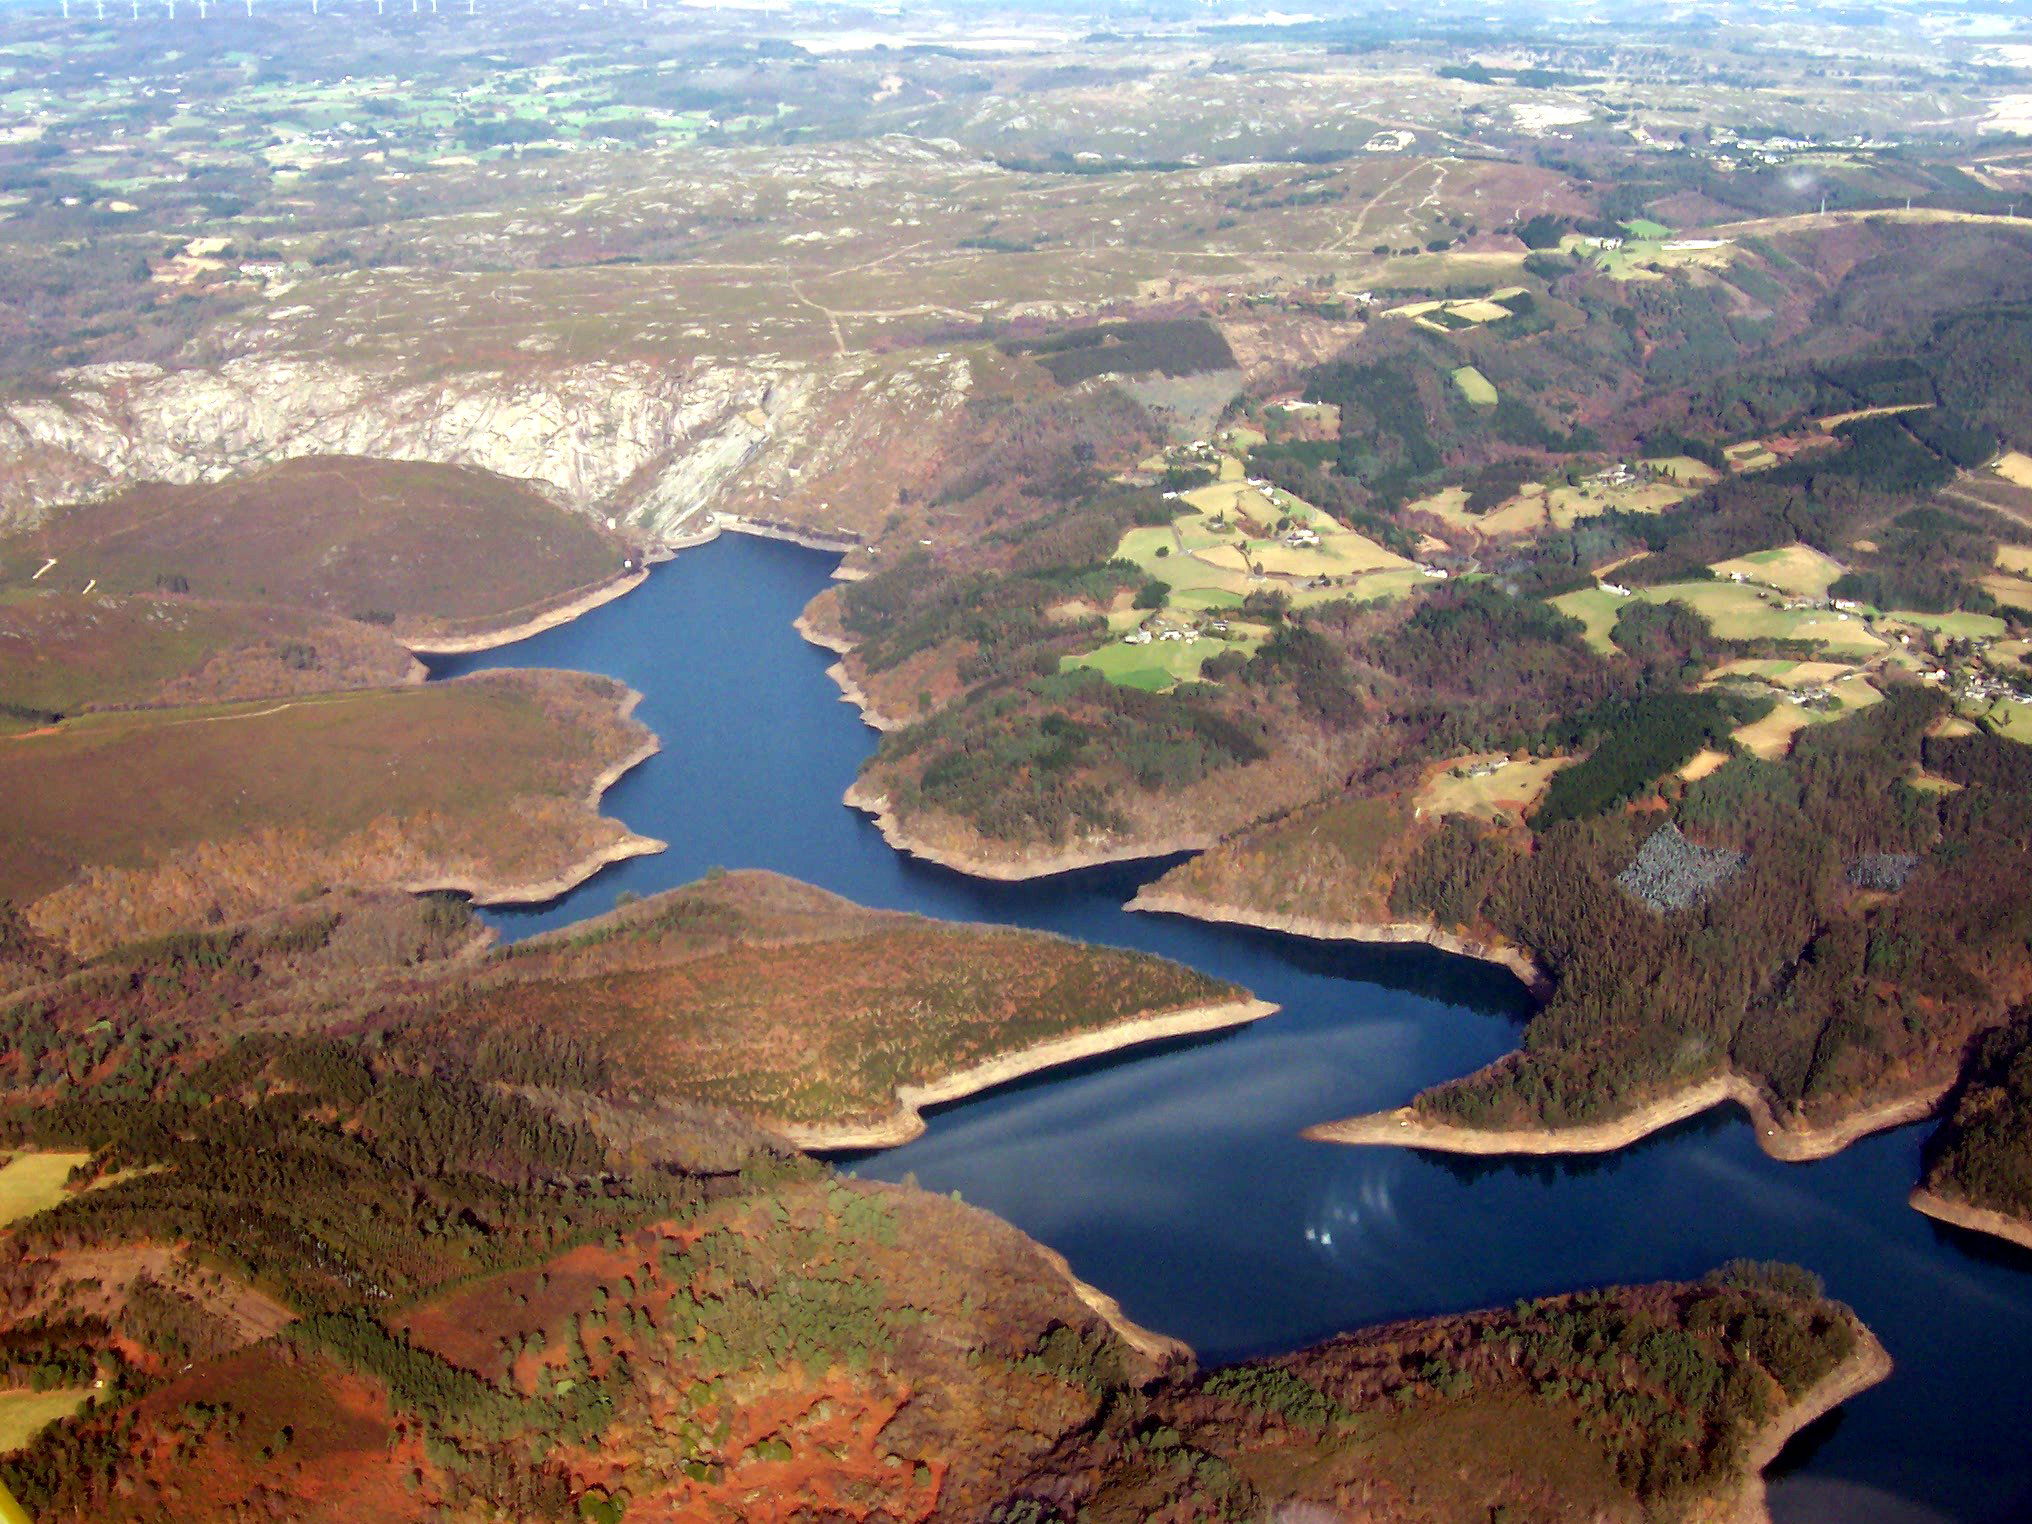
[(647, 444)]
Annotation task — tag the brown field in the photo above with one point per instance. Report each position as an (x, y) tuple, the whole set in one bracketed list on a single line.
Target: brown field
[(1703, 763), (438, 549), (2014, 592), (119, 825), (67, 655), (2015, 467), (791, 1005)]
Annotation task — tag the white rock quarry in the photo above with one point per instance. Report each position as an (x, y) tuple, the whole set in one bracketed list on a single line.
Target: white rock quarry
[(648, 445)]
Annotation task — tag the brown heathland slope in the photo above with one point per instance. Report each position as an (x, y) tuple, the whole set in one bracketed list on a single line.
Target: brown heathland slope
[(797, 1007), (436, 549), (61, 654), (122, 825)]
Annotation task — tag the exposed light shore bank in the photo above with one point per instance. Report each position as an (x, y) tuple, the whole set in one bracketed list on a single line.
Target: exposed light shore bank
[(1405, 1128), (1160, 1348), (907, 1121), (1976, 1219), (809, 539), (851, 692), (1011, 870), (1868, 1364), (1514, 959), (549, 619)]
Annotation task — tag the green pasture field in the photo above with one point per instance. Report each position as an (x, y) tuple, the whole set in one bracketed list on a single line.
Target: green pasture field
[(1737, 611), (1955, 626), (1476, 387), (1596, 609), (1796, 569), (23, 1415), (34, 1182), (1164, 664), (2011, 721)]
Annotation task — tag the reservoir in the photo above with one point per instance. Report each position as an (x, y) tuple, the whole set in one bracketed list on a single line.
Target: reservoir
[(1174, 1178)]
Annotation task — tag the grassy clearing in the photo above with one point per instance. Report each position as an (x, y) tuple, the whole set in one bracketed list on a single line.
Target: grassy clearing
[(1834, 421), (1595, 609), (1684, 469), (34, 1182), (2010, 655), (1751, 455), (1796, 569), (1163, 664), (2015, 466), (1702, 763), (1785, 674), (1956, 626), (1215, 553), (2013, 592), (1476, 387), (1649, 257), (2015, 558), (23, 1415), (1512, 789), (1538, 506), (1738, 611), (2012, 721), (1771, 737), (1346, 554)]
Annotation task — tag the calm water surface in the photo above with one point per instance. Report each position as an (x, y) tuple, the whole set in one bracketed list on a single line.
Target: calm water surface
[(1175, 1178)]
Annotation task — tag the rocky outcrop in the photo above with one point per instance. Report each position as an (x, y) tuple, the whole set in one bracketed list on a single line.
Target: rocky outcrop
[(648, 445)]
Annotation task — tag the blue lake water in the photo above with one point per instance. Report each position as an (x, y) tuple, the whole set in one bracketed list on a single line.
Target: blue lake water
[(1175, 1178)]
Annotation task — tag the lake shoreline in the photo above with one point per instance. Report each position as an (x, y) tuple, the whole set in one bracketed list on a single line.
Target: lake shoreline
[(1975, 1219), (507, 635), (1017, 871), (1868, 1364), (1373, 933), (1404, 1128), (1160, 1349), (907, 1123), (851, 692), (542, 891)]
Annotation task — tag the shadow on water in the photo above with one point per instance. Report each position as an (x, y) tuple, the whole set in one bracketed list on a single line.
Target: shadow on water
[(1551, 1169), (1174, 1175)]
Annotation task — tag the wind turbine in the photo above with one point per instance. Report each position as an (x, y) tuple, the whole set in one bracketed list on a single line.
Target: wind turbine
[(67, 9), (137, 9), (102, 10)]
